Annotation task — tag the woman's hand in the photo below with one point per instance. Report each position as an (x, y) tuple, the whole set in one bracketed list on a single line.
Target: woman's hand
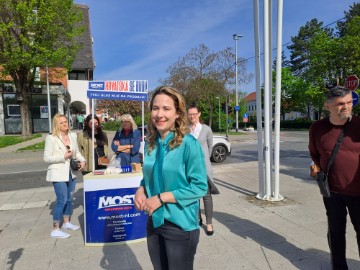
[(68, 154), (151, 204), (140, 198), (116, 142), (82, 165)]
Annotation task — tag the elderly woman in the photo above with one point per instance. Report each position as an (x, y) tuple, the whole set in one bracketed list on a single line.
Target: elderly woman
[(126, 142)]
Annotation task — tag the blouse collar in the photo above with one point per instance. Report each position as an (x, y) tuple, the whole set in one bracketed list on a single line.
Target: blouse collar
[(168, 138)]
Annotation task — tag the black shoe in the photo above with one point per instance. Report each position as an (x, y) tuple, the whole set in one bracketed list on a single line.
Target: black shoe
[(209, 233)]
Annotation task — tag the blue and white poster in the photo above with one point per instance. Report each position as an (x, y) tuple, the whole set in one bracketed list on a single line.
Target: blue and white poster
[(112, 217), (136, 90)]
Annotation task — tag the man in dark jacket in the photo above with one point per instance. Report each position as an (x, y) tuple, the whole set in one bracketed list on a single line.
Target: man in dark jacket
[(344, 175)]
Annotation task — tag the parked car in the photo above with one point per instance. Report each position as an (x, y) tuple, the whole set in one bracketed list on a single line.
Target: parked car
[(220, 150)]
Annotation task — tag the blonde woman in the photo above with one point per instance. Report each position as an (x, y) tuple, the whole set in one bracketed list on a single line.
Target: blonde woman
[(60, 147), (174, 181)]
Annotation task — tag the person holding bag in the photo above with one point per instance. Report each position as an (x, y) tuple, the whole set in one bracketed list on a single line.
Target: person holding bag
[(60, 148), (337, 139), (204, 135), (85, 144)]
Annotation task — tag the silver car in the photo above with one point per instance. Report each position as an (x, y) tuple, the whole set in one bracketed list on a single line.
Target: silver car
[(220, 150)]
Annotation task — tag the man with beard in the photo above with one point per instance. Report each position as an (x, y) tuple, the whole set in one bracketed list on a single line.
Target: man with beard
[(344, 176)]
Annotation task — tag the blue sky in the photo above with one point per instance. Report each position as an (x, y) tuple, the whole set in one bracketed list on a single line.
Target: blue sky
[(139, 39)]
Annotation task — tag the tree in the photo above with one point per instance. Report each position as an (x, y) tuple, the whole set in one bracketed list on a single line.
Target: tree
[(203, 75), (120, 107), (299, 49), (36, 33), (349, 15)]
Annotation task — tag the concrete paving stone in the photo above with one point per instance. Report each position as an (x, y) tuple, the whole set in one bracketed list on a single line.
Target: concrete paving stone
[(230, 260), (12, 206), (35, 204)]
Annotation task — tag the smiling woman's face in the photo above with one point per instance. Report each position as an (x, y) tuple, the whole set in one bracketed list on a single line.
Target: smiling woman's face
[(163, 114)]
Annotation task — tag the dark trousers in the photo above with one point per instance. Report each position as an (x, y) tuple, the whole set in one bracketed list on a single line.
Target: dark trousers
[(208, 207), (171, 248), (337, 208)]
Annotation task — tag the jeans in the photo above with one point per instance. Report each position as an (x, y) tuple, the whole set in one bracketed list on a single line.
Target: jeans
[(64, 194), (337, 207), (170, 247)]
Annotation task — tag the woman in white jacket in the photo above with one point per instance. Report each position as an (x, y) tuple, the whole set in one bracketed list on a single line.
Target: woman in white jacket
[(60, 147)]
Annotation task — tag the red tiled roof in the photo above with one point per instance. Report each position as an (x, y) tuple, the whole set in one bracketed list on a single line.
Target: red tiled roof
[(250, 97)]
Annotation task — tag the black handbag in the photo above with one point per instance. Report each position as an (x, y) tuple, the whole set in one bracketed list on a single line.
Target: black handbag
[(322, 177), (75, 164)]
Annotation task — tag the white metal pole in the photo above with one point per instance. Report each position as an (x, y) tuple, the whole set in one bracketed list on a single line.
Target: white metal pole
[(267, 102), (143, 128), (271, 119), (236, 85), (236, 38), (258, 101), (48, 98), (277, 196), (93, 137)]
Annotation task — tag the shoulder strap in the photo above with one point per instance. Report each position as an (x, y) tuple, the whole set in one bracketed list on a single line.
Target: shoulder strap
[(336, 147)]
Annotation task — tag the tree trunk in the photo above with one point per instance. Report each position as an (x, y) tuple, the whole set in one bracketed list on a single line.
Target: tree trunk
[(26, 130), (210, 116)]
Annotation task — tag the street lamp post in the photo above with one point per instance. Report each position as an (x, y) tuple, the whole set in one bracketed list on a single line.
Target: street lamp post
[(219, 112), (236, 38), (48, 98)]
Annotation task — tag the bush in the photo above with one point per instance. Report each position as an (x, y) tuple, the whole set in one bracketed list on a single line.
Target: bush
[(111, 125)]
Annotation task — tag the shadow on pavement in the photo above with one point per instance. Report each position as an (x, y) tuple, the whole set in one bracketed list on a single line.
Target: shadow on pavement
[(300, 258)]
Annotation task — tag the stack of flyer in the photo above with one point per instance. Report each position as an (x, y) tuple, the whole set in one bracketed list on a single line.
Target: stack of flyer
[(99, 172)]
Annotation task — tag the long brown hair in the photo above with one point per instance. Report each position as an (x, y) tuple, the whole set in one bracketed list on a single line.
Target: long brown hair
[(181, 123)]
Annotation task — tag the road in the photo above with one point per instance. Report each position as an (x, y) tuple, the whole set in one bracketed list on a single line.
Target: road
[(294, 154), (29, 171)]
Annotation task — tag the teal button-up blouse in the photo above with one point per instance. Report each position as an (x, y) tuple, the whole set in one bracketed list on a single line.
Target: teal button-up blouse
[(180, 170)]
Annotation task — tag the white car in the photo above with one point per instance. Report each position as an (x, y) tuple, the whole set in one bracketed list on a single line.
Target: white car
[(221, 149)]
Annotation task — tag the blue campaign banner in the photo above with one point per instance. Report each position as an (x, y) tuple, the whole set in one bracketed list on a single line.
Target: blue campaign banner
[(117, 95), (118, 90), (112, 217)]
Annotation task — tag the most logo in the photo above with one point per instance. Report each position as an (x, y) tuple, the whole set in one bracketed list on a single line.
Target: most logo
[(96, 85), (107, 201)]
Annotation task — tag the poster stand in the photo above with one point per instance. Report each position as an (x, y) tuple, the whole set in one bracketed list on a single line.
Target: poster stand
[(110, 216)]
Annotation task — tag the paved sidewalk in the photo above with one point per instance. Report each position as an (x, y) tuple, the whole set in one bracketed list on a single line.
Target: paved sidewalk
[(249, 233)]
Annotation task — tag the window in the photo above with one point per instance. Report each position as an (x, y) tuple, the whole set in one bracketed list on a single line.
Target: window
[(13, 110)]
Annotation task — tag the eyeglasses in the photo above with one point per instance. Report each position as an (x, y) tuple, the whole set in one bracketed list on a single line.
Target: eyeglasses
[(193, 114)]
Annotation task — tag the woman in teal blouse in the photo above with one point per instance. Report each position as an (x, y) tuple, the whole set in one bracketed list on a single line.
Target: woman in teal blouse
[(174, 180)]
